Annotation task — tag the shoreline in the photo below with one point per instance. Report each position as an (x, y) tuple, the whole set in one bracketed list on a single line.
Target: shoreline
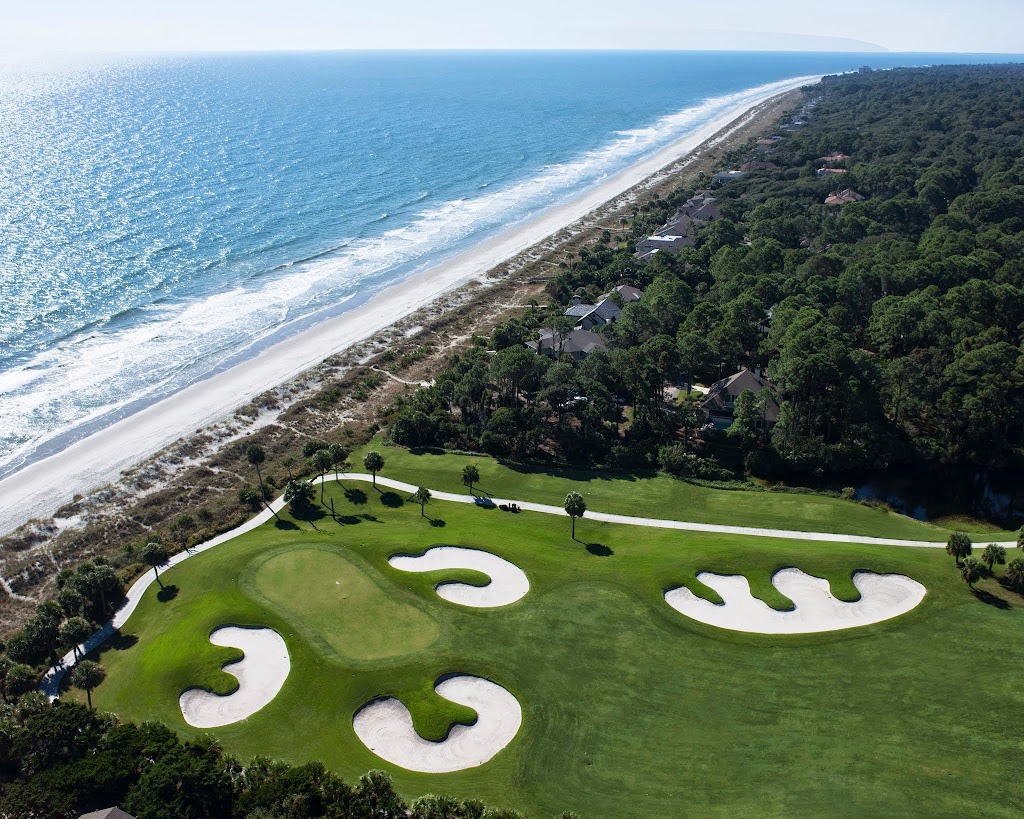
[(100, 458)]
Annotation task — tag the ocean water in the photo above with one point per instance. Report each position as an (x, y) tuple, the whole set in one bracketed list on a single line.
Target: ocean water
[(164, 217)]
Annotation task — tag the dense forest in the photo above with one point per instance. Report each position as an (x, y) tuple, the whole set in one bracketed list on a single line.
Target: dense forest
[(894, 324), (60, 760)]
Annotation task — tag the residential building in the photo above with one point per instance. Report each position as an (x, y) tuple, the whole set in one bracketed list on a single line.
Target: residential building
[(724, 177), (844, 197), (721, 398), (577, 344)]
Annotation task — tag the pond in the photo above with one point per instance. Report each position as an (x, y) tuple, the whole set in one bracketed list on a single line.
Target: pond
[(996, 497)]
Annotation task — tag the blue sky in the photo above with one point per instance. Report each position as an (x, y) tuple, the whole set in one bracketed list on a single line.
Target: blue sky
[(221, 25)]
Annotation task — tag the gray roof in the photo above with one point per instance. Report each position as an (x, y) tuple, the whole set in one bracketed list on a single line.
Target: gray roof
[(578, 342), (629, 293), (107, 813)]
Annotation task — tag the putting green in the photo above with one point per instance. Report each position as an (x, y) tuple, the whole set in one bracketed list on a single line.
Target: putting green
[(337, 603), (628, 707)]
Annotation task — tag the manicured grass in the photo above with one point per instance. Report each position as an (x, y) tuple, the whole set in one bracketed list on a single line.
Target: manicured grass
[(630, 709), (657, 496)]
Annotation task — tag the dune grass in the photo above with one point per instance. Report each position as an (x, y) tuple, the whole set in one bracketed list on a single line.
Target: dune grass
[(650, 494), (630, 708)]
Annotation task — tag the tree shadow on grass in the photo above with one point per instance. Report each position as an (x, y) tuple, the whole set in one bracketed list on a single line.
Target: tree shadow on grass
[(349, 520), (600, 550), (484, 503), (116, 642), (437, 523), (356, 496), (281, 523), (167, 593), (990, 599), (392, 500)]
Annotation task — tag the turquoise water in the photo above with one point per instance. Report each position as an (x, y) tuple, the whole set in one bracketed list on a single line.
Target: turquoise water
[(163, 217)]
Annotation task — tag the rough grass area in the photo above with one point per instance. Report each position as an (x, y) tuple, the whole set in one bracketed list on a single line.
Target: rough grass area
[(630, 709), (658, 495)]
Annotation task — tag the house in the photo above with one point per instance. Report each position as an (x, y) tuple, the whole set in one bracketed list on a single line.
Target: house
[(834, 157), (721, 399), (724, 177), (669, 244), (844, 197), (629, 293), (107, 813), (767, 142), (828, 171), (578, 344), (759, 166), (588, 316)]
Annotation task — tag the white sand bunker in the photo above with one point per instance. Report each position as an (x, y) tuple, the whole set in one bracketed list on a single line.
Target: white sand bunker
[(385, 727), (508, 582), (261, 673), (882, 597)]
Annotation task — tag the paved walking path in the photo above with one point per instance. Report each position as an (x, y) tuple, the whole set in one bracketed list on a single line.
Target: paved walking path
[(52, 679)]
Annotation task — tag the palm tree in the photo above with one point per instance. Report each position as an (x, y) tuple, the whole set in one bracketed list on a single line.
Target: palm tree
[(959, 545), (1015, 573), (322, 463), (994, 553), (154, 554), (338, 457), (256, 455), (74, 632), (374, 463), (422, 497), (972, 570), (298, 495), (1020, 538), (576, 507), (87, 675), (470, 476)]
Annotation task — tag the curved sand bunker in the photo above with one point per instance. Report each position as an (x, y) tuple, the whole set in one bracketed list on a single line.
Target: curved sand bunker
[(261, 673), (508, 582), (882, 597), (385, 727)]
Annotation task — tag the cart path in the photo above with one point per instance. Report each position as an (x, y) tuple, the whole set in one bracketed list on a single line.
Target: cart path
[(50, 684)]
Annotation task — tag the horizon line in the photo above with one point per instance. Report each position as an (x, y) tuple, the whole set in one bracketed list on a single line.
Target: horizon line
[(510, 50)]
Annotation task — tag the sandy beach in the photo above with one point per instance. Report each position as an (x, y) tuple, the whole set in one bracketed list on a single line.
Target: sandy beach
[(40, 488)]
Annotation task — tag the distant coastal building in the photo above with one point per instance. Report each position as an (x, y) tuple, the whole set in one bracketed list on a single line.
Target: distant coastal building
[(670, 244), (834, 157), (828, 171), (724, 177), (768, 141), (720, 403), (678, 232), (577, 344), (844, 197)]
